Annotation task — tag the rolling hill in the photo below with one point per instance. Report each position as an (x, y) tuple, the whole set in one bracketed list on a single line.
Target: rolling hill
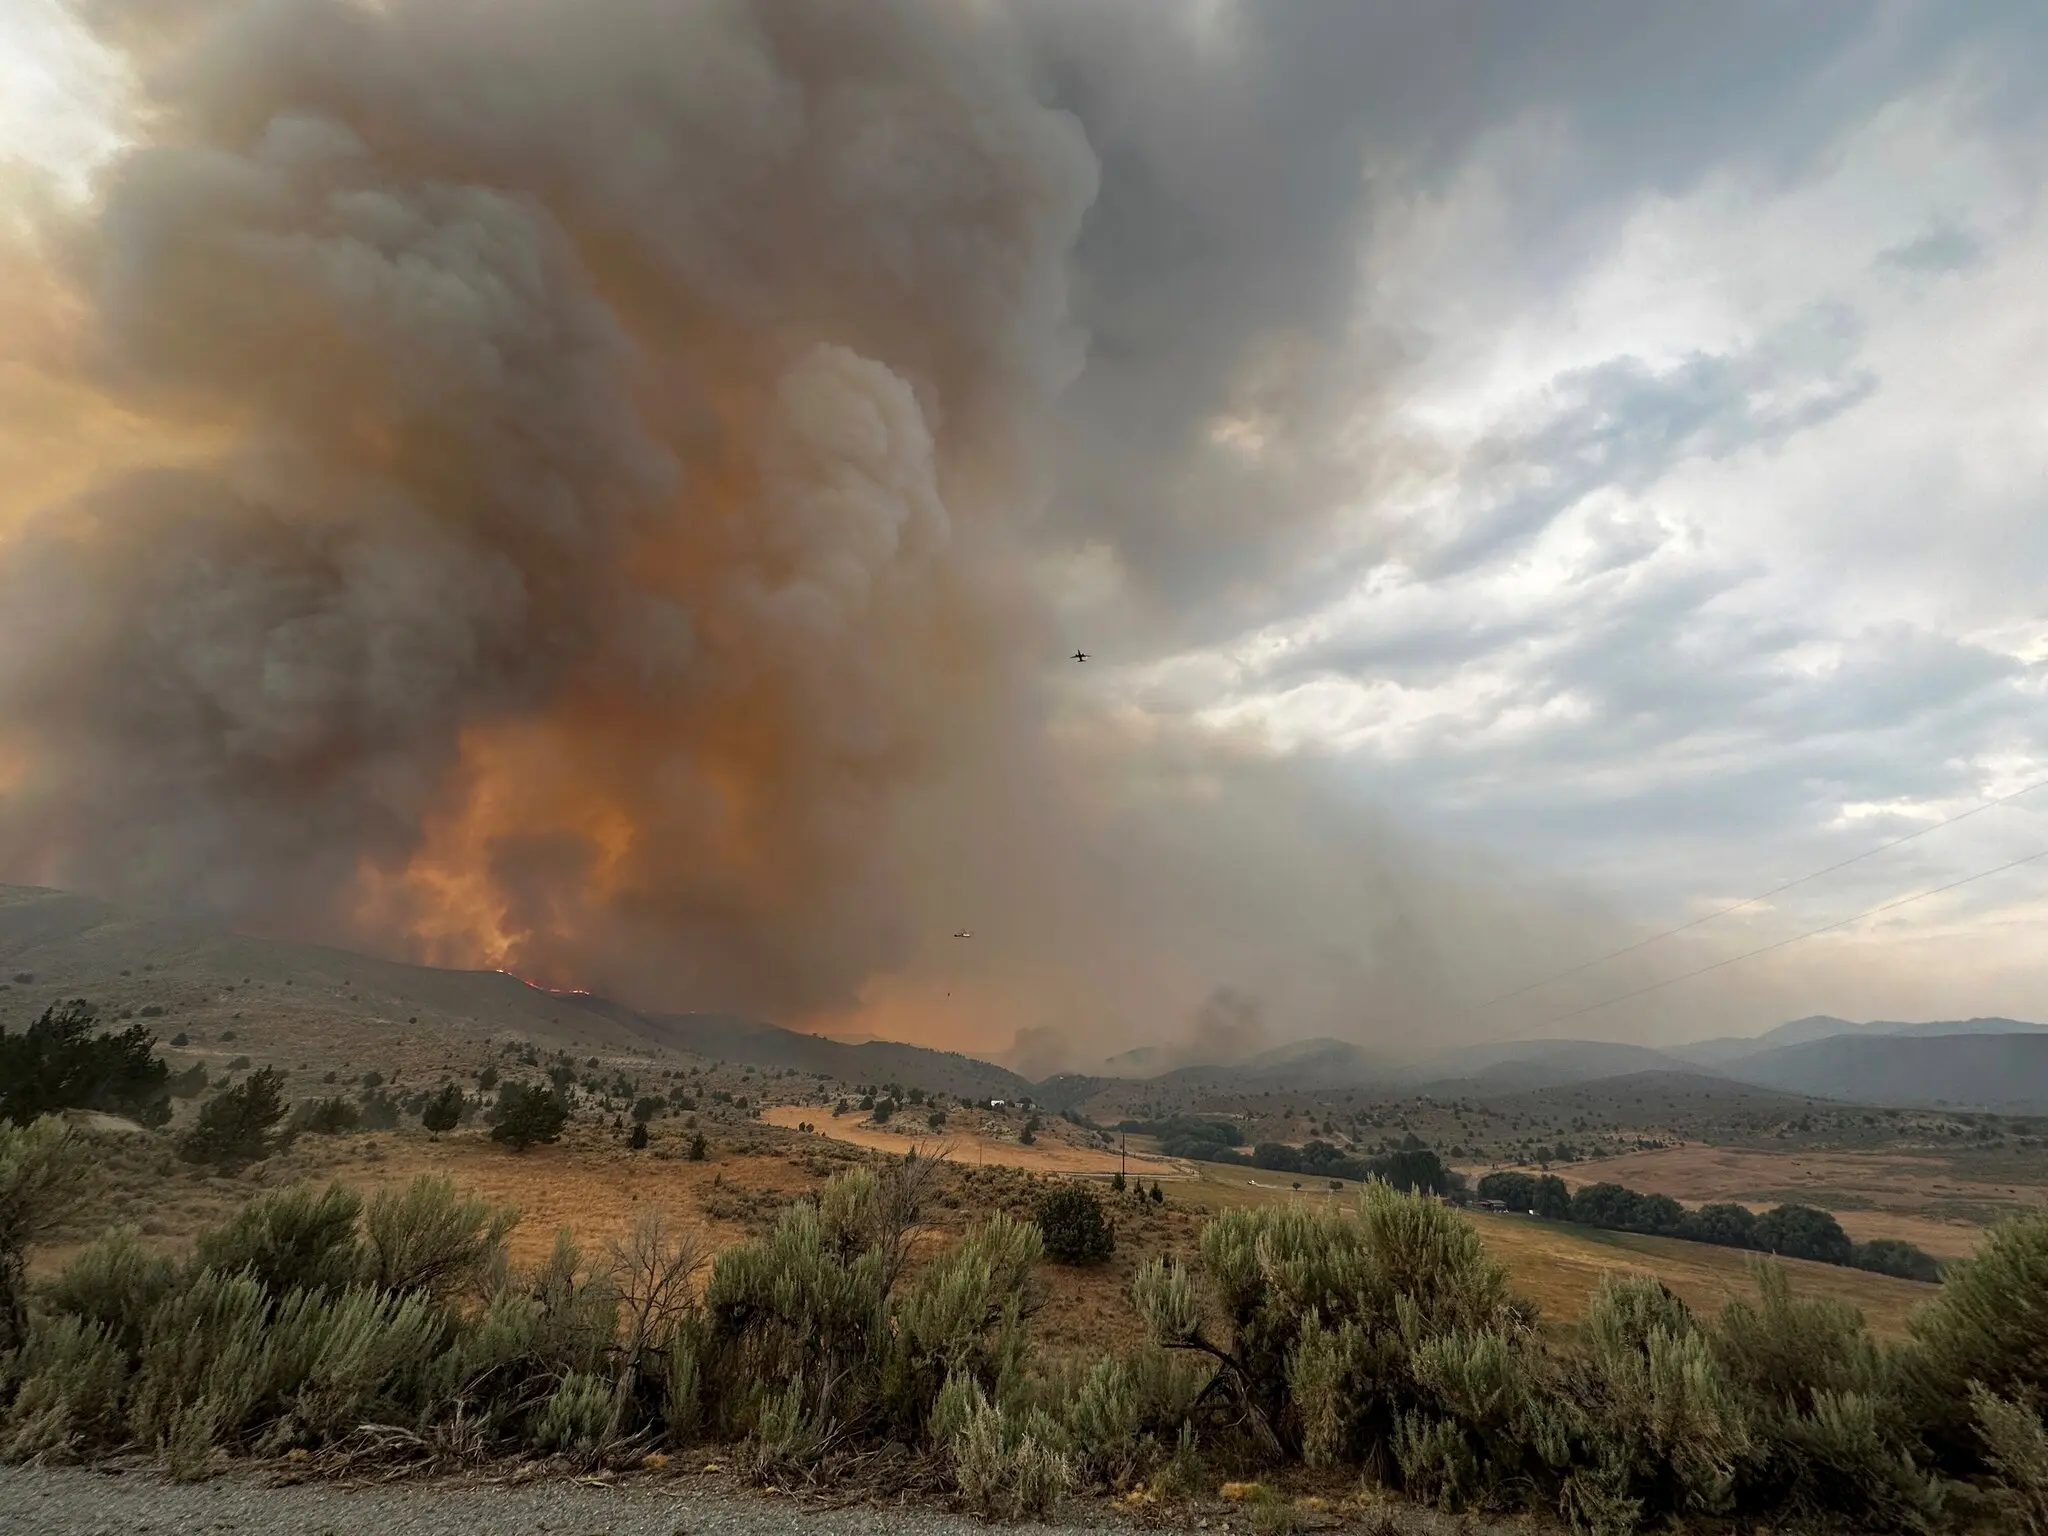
[(305, 1002), (1992, 1071)]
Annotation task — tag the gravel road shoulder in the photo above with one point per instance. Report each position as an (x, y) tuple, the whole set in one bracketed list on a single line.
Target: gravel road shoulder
[(80, 1501)]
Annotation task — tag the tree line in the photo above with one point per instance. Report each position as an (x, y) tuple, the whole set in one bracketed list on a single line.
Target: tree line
[(1791, 1230)]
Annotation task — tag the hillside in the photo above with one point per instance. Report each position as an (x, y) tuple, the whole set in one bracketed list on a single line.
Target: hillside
[(1821, 1026), (331, 1009), (2006, 1072)]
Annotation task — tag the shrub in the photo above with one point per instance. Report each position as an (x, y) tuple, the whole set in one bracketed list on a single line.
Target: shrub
[(443, 1112), (45, 1174), (1889, 1256), (1821, 1395), (1729, 1225), (115, 1283), (325, 1117), (527, 1115), (699, 1148), (1802, 1232), (645, 1109), (2016, 1447), (292, 1240), (201, 1369), (60, 1063), (1326, 1316), (574, 1418), (1073, 1227), (236, 1126), (433, 1240), (1004, 1468), (638, 1139), (1987, 1324), (70, 1375)]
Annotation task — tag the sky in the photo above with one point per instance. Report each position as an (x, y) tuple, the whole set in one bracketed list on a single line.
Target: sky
[(1598, 449)]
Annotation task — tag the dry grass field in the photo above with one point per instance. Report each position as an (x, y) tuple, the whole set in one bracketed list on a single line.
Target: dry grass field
[(968, 1139), (1559, 1266), (1922, 1198)]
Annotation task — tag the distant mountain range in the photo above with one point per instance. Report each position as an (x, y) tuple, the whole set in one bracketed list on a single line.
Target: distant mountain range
[(1821, 1026), (72, 946)]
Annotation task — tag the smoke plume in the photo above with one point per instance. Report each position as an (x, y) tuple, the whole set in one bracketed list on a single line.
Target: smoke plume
[(628, 404), (583, 508)]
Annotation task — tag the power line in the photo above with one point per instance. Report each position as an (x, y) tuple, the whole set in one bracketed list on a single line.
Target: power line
[(1670, 981), (1750, 901)]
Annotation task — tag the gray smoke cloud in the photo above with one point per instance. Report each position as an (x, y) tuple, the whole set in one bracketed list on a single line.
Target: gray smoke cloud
[(646, 426)]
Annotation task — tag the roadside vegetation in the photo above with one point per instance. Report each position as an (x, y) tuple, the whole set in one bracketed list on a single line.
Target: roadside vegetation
[(1371, 1339)]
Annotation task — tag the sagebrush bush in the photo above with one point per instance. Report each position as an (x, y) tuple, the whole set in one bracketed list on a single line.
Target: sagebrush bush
[(430, 1238), (68, 1382), (1005, 1467), (45, 1174), (1988, 1324), (116, 1283), (1378, 1338), (2016, 1447), (291, 1240)]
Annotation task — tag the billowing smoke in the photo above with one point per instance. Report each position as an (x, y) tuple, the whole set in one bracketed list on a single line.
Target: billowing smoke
[(628, 403), (597, 524)]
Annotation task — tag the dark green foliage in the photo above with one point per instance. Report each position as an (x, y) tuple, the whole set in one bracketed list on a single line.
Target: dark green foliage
[(1802, 1232), (1728, 1225), (325, 1117), (647, 1108), (188, 1084), (1117, 1181), (1988, 1324), (487, 1078), (237, 1125), (1607, 1205), (527, 1114), (699, 1148), (1891, 1256), (443, 1111), (1190, 1137), (1410, 1168), (884, 1108), (637, 1140), (1158, 1194), (60, 1062), (1544, 1195), (1074, 1229)]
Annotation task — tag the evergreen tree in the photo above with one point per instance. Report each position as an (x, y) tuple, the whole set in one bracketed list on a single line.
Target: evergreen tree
[(238, 1125), (528, 1114), (59, 1062), (443, 1111)]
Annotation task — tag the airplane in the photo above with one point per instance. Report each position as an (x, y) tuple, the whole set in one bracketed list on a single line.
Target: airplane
[(1080, 655)]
